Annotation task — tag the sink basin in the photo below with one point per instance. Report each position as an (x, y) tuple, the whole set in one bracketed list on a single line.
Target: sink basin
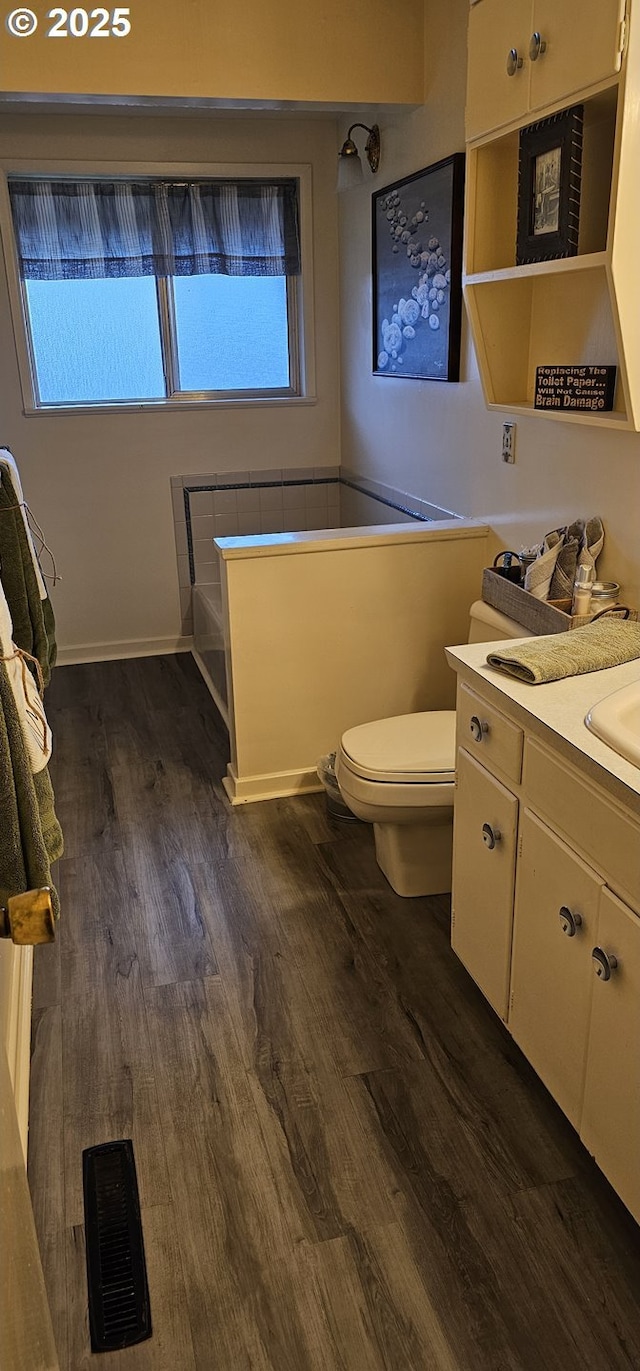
[(616, 720)]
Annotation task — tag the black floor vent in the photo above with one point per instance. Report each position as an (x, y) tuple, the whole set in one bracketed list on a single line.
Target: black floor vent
[(119, 1311)]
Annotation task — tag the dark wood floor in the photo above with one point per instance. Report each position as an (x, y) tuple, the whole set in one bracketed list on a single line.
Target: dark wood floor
[(344, 1161)]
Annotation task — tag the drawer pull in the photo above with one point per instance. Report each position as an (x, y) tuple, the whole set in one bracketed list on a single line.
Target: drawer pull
[(569, 922), (537, 46), (490, 836), (479, 728), (603, 963), (514, 62)]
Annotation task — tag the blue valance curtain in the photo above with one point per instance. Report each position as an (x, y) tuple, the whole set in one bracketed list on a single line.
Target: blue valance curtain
[(82, 230)]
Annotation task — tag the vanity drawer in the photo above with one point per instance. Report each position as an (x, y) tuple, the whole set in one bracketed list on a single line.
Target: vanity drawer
[(487, 734), (609, 838)]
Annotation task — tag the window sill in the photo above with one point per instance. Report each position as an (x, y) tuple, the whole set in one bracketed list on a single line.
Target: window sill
[(161, 406)]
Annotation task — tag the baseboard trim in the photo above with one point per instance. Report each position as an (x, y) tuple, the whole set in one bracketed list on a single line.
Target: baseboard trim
[(270, 786), (130, 647)]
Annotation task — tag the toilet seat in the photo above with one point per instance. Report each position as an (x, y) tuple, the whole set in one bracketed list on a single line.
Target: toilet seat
[(409, 750), (413, 798)]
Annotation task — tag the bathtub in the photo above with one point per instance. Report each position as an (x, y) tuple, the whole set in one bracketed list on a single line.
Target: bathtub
[(232, 504), (269, 503), (209, 643), (310, 632)]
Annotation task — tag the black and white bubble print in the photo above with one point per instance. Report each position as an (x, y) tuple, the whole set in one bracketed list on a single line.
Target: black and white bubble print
[(428, 295)]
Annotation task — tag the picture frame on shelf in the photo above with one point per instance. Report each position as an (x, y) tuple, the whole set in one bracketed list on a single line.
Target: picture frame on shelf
[(549, 177), (417, 273)]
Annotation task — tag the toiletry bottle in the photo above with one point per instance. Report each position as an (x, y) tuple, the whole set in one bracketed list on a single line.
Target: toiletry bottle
[(581, 602)]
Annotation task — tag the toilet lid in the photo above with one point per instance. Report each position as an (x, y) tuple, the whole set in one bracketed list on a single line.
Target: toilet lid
[(409, 747)]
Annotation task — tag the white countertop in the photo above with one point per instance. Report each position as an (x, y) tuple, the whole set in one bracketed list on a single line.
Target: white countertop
[(561, 705)]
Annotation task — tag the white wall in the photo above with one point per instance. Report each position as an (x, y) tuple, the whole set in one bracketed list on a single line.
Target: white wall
[(438, 440), (99, 484)]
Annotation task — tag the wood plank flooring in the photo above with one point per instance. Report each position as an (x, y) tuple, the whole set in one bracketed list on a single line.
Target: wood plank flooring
[(345, 1164)]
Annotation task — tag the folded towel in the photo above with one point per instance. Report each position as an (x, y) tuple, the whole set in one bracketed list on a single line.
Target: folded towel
[(550, 576), (539, 574), (592, 541), (607, 642), (564, 573)]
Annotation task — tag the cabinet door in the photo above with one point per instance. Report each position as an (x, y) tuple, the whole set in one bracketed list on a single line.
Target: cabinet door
[(556, 913), (611, 1113), (583, 46), (493, 97), (484, 848)]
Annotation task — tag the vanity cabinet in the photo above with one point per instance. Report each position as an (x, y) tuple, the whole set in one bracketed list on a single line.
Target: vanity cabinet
[(555, 928), (610, 1125), (546, 918), (524, 56), (485, 870), (569, 311), (489, 761)]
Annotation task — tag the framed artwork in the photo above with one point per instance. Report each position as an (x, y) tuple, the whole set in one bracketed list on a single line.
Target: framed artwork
[(417, 273), (549, 173)]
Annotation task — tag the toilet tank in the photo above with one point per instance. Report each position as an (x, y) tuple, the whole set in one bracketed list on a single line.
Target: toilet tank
[(488, 625)]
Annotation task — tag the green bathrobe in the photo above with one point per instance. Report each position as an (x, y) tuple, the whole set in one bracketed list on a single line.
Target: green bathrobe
[(32, 618), (30, 835)]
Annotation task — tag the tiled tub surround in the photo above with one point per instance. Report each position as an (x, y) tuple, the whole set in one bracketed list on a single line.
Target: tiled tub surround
[(211, 505)]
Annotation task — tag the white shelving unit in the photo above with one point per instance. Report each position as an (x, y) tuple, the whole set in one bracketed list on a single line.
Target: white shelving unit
[(579, 310)]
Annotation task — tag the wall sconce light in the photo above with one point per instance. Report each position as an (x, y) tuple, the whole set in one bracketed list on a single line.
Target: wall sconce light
[(349, 164)]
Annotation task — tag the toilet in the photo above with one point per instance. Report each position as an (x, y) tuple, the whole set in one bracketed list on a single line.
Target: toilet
[(398, 774)]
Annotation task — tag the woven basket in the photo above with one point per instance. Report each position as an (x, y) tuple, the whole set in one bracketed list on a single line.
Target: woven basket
[(540, 616)]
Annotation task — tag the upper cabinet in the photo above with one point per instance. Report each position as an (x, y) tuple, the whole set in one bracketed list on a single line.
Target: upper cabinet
[(579, 310), (525, 56)]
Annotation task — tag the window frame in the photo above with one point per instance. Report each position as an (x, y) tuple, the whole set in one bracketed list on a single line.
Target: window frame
[(299, 290)]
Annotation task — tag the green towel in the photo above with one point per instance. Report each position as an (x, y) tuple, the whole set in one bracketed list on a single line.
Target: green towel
[(50, 630), (30, 835), (608, 642), (30, 630)]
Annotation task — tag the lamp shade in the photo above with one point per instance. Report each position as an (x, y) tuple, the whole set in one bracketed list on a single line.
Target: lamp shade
[(349, 169)]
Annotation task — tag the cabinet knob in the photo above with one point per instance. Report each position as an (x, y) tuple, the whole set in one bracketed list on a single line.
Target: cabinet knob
[(514, 62), (490, 836), (603, 963), (537, 46), (569, 922), (479, 727)]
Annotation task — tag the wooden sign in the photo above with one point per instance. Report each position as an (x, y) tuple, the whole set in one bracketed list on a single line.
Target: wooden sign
[(575, 388)]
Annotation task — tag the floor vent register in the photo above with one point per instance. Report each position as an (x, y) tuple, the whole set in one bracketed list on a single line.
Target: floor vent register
[(119, 1310)]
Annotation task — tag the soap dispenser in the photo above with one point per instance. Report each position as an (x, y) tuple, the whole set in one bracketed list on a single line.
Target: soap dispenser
[(581, 602)]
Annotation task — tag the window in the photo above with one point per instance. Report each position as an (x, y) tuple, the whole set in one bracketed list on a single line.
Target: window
[(139, 292)]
